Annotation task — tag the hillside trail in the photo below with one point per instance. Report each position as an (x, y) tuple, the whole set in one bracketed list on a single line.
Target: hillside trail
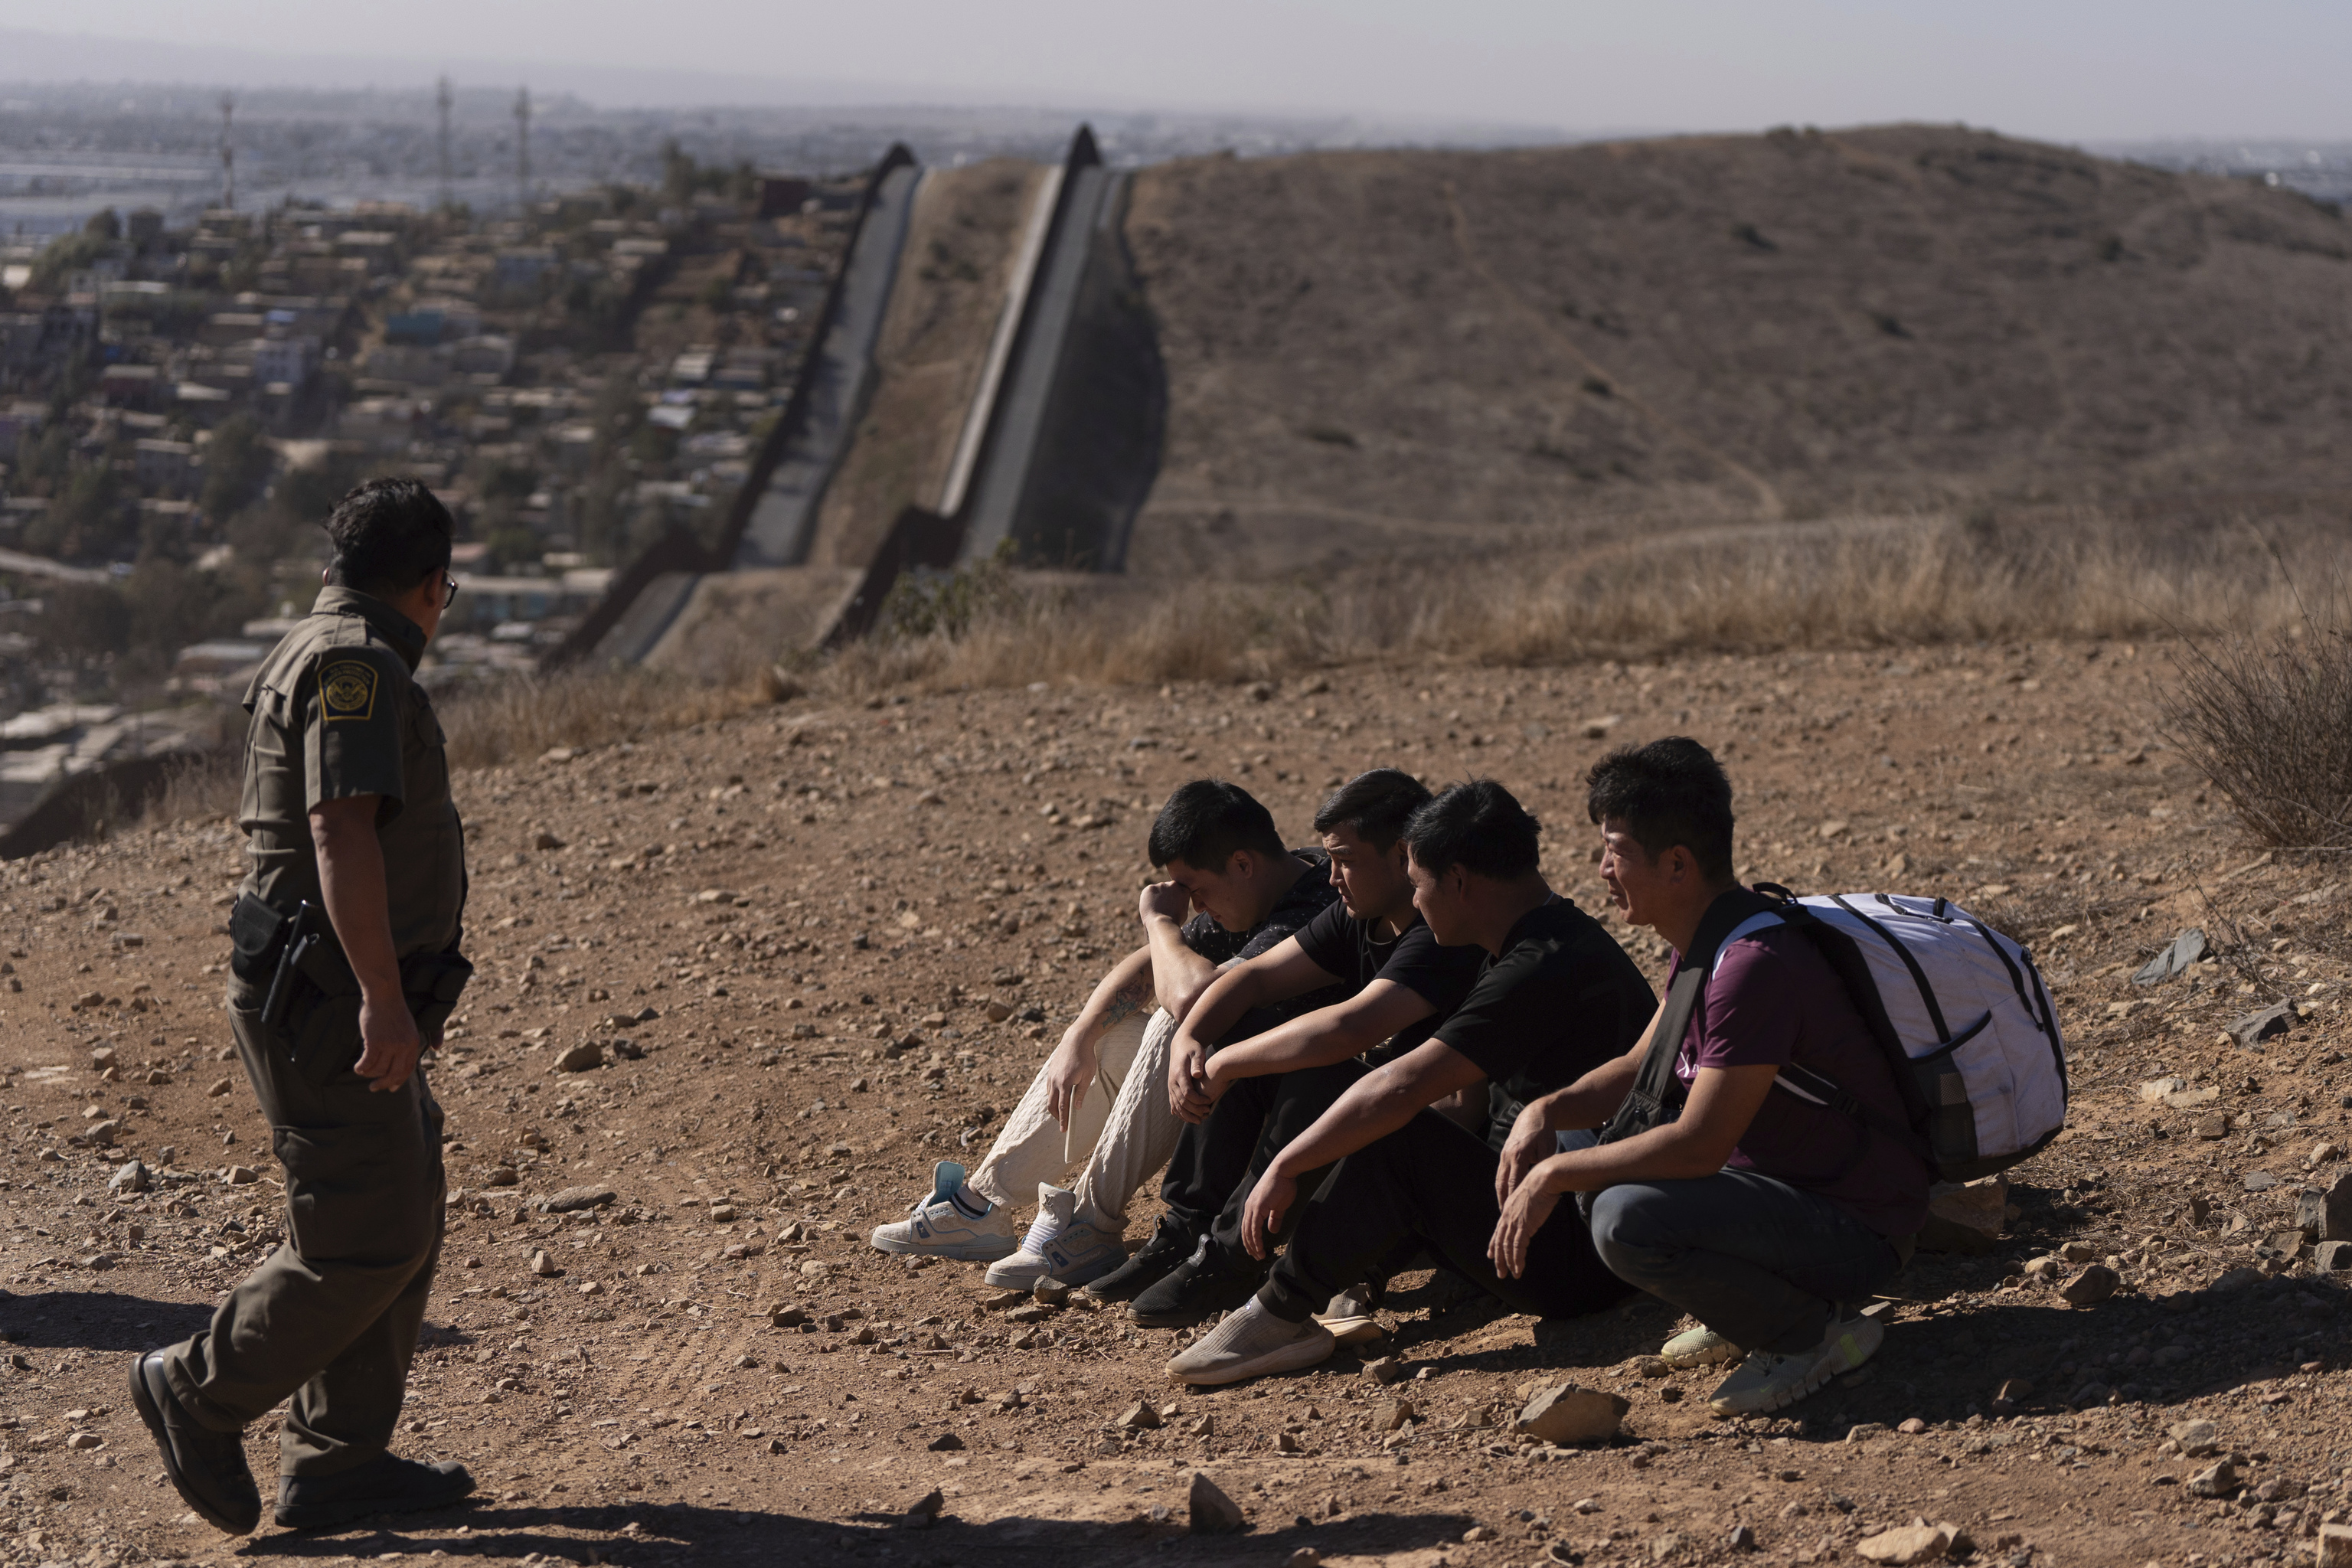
[(1767, 498)]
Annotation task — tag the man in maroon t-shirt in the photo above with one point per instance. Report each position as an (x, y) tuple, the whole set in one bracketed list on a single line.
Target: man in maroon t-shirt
[(1757, 1209)]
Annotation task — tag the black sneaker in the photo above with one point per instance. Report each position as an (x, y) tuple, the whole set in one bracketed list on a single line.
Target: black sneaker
[(1203, 1284), (207, 1469), (1170, 1242), (383, 1485)]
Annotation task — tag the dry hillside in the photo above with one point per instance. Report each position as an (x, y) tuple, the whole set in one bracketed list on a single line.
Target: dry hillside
[(1397, 351), (819, 946)]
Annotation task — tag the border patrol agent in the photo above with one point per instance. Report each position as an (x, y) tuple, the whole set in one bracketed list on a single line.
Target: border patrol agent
[(346, 964)]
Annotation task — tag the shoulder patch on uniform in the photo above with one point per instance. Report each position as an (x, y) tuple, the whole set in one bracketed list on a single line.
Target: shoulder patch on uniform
[(347, 690)]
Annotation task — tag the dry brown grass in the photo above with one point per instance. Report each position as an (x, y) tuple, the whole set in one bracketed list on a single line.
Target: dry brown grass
[(501, 720), (1753, 588), (2267, 715), (205, 786)]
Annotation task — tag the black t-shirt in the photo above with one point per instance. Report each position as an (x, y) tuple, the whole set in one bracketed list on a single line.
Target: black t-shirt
[(1307, 897), (1560, 1000), (1347, 946)]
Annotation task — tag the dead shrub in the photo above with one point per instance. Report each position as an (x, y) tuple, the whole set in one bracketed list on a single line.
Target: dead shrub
[(2267, 716), (499, 721), (202, 788)]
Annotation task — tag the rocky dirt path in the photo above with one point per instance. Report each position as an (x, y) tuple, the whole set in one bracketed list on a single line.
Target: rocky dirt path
[(815, 949)]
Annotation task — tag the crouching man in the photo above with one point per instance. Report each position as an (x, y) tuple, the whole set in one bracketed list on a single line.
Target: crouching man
[(1554, 998), (1100, 1096), (1761, 1212)]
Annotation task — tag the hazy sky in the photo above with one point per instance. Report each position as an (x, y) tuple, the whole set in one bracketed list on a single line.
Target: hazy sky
[(2067, 69)]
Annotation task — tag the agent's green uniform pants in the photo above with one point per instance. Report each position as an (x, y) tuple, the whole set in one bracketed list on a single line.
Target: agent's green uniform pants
[(331, 1317)]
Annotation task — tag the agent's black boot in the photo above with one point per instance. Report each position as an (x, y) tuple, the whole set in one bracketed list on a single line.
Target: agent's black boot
[(383, 1485), (206, 1467)]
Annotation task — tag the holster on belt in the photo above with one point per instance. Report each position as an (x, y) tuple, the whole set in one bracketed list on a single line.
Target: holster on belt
[(289, 952)]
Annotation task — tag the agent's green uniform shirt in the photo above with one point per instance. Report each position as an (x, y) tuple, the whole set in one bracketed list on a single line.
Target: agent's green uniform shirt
[(336, 713)]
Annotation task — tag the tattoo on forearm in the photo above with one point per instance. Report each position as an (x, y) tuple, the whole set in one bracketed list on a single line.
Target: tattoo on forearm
[(1124, 1002)]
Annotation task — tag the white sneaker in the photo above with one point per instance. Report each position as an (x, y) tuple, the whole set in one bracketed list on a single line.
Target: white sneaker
[(1766, 1381), (1701, 1346), (1251, 1342), (1061, 1245), (944, 1226)]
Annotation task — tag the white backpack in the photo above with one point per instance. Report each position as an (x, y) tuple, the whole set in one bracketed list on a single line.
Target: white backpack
[(1962, 1015)]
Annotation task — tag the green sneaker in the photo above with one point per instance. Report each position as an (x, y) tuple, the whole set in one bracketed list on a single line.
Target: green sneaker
[(1701, 1346), (1767, 1381)]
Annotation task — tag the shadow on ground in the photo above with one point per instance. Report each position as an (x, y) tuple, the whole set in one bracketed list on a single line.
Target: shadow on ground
[(97, 1320), (639, 1531)]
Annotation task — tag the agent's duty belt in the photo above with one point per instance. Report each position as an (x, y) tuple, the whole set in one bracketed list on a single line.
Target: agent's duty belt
[(289, 952)]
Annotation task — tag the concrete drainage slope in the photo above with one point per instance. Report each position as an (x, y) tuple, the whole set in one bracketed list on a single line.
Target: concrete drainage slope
[(985, 371)]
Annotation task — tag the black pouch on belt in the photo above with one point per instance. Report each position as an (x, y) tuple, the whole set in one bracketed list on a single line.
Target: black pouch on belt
[(432, 981), (255, 933)]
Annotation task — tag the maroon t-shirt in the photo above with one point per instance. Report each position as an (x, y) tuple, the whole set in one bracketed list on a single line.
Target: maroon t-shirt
[(1773, 1000)]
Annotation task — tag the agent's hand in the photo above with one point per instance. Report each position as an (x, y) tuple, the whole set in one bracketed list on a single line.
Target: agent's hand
[(1164, 900), (1530, 1143), (1262, 1219), (1188, 1066), (389, 1045), (1523, 1215), (1068, 1071)]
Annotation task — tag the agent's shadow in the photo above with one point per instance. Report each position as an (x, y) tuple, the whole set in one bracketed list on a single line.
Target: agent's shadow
[(97, 1320), (588, 1533)]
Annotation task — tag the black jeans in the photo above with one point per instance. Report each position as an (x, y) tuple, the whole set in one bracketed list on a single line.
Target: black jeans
[(1431, 1185), (1219, 1161)]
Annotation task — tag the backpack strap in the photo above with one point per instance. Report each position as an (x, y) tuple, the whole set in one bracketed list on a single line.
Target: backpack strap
[(1657, 1093)]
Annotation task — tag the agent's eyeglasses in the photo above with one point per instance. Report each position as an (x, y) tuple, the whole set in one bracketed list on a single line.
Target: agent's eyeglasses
[(449, 594)]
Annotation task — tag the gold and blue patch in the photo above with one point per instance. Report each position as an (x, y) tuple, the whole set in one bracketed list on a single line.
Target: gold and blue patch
[(347, 690)]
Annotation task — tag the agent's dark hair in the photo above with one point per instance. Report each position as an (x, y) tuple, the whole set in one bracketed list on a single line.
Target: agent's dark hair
[(389, 536), (1374, 805), (1667, 793), (1206, 821), (1479, 826)]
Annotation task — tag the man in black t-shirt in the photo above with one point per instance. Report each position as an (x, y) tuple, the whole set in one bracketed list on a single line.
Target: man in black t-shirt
[(1555, 997), (1385, 981)]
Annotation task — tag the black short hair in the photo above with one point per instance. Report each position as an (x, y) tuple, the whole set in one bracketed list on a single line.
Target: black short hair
[(1480, 827), (389, 536), (1206, 821), (1375, 806), (1667, 793)]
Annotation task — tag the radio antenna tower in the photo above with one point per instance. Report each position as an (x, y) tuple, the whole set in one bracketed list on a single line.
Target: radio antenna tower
[(444, 97), (522, 146), (228, 153)]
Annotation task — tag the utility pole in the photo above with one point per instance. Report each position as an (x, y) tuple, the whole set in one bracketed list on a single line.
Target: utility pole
[(522, 148), (228, 153), (444, 97)]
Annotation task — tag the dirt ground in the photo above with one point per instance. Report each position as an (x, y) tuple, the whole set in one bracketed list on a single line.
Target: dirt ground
[(788, 934)]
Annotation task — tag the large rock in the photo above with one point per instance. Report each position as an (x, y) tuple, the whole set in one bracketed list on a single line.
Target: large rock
[(1567, 1414), (2197, 1439), (2177, 955), (594, 1196), (582, 1057), (2256, 1027), (2326, 1215), (1209, 1511), (1910, 1543), (2336, 1546), (1966, 1217), (2095, 1283), (131, 1178)]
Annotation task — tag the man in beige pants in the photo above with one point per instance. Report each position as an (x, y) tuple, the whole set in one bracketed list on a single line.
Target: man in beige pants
[(1101, 1096)]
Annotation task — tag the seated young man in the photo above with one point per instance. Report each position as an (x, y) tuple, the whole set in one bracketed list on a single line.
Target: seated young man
[(1555, 997), (1252, 1096), (1101, 1095), (1755, 1212)]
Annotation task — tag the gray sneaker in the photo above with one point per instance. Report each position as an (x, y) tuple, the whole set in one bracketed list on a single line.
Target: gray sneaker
[(1701, 1346), (1767, 1381), (1251, 1342)]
